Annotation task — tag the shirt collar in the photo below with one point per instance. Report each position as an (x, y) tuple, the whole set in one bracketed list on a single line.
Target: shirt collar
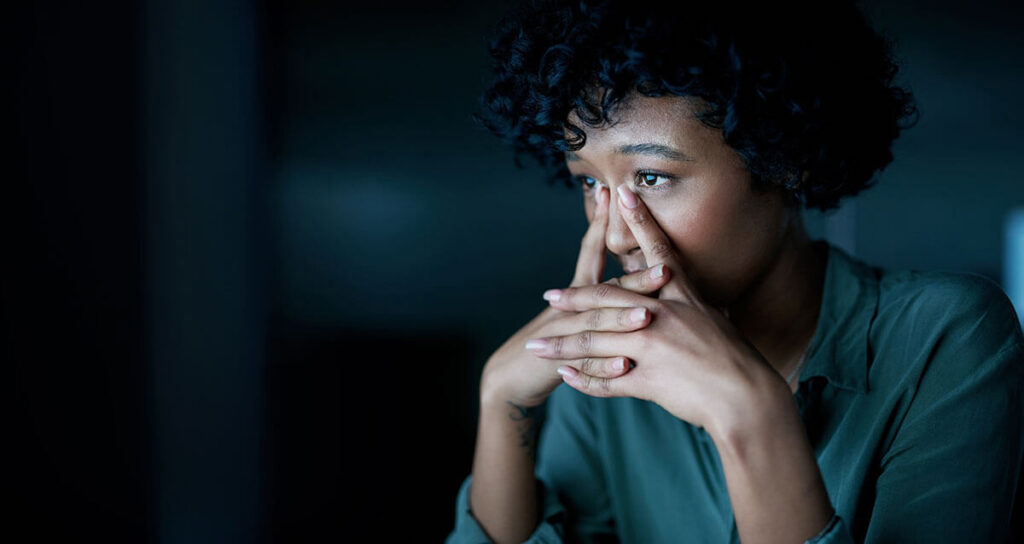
[(839, 349)]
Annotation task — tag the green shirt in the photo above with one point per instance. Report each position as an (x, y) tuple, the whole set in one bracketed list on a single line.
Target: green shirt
[(911, 396)]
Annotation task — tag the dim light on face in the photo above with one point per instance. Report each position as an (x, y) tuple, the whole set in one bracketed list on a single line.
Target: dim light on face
[(696, 186)]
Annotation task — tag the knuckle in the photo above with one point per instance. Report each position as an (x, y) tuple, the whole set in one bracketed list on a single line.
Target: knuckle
[(622, 317), (594, 319), (602, 291), (638, 218), (568, 295), (583, 342), (587, 366), (661, 249), (605, 385), (557, 346)]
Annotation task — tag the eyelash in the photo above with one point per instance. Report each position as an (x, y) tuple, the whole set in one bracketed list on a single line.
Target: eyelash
[(636, 181)]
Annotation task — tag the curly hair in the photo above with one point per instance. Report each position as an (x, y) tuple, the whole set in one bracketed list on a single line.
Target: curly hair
[(803, 92)]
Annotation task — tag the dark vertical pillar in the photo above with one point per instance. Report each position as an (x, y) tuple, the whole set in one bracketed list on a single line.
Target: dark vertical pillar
[(204, 259), (73, 452)]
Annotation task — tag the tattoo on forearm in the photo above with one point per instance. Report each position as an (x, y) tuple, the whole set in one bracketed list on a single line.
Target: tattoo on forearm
[(526, 417)]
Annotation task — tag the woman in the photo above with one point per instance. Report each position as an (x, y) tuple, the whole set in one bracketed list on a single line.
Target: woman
[(740, 381)]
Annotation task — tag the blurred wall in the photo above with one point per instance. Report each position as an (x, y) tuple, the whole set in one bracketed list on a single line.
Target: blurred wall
[(943, 202)]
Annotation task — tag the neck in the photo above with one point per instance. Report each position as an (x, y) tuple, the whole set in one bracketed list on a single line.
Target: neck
[(778, 313)]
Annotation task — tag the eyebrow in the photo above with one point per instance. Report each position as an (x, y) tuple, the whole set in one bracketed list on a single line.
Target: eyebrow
[(654, 150)]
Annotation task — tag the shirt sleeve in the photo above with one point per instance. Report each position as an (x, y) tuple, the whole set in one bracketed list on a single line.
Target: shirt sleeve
[(951, 471), (573, 499)]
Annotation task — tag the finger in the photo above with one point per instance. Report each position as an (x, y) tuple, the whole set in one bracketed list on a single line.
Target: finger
[(655, 244), (585, 344), (601, 367), (602, 295), (600, 319), (645, 281), (590, 264), (597, 386)]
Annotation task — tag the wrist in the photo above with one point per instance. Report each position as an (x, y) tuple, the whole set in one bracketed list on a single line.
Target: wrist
[(762, 407), (498, 392), (495, 403), (514, 426), (494, 398), (769, 465)]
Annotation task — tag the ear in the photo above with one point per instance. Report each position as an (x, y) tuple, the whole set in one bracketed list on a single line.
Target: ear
[(792, 189), (804, 174)]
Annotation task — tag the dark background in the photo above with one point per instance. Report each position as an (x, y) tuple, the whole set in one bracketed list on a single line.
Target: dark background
[(255, 254)]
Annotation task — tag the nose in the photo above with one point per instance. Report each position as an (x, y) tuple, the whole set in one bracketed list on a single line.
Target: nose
[(619, 239)]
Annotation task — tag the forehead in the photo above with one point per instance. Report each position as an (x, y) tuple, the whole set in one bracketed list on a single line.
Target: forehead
[(665, 119)]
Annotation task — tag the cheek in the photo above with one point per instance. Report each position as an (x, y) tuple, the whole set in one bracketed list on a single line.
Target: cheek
[(690, 227), (721, 240)]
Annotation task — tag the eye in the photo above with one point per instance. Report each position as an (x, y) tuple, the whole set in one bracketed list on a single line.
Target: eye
[(651, 179), (588, 183)]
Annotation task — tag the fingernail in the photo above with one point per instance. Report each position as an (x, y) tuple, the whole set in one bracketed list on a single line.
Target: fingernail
[(627, 197), (567, 371), (620, 365), (536, 344), (658, 271), (638, 315), (553, 295)]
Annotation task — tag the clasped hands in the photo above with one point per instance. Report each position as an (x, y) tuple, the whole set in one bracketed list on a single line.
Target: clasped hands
[(616, 340)]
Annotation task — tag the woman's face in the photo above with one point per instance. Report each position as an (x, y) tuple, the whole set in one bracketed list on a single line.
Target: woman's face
[(695, 186)]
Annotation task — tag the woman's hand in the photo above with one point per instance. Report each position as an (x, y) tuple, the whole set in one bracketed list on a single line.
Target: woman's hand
[(691, 360), (515, 375)]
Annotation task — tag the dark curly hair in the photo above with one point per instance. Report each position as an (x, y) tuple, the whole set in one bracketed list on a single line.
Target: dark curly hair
[(795, 88)]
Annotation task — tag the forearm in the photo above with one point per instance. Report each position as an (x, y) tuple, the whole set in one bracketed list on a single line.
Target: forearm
[(774, 483), (503, 494)]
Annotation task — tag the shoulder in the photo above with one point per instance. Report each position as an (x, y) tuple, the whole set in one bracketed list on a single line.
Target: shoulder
[(937, 285), (947, 303), (945, 324)]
